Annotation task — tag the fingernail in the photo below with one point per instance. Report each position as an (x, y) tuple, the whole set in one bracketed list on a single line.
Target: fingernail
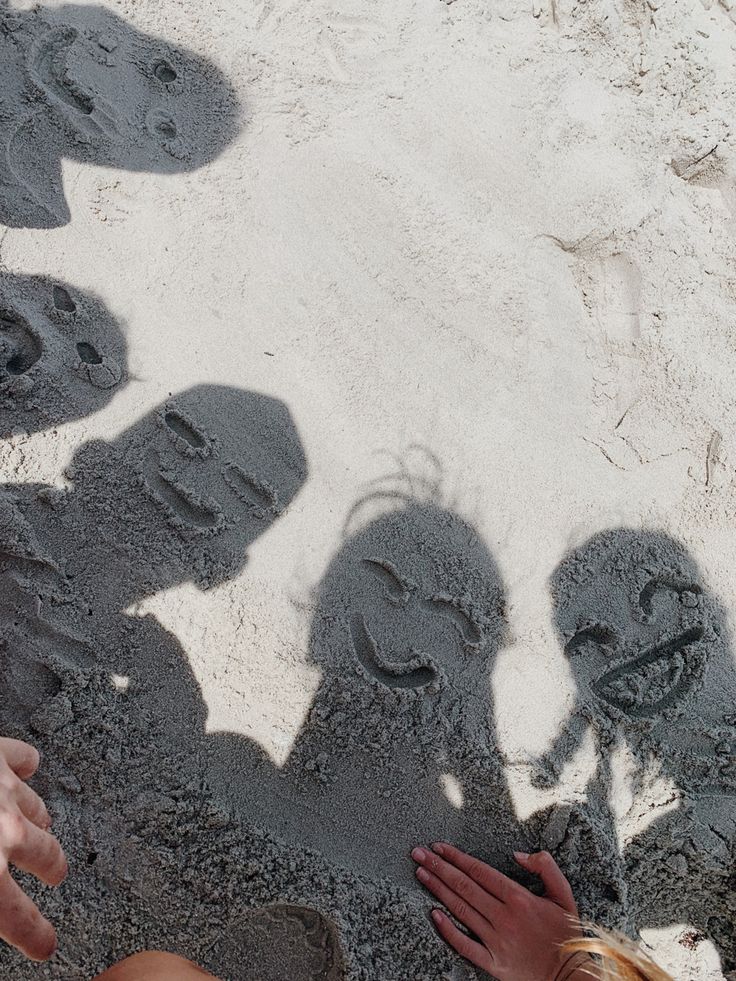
[(436, 916), (422, 874), (419, 854), (521, 856), (439, 848)]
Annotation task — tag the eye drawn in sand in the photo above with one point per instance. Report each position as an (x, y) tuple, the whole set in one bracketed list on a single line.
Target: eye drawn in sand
[(164, 71), (20, 348), (99, 371), (397, 589), (417, 669), (187, 437), (62, 300), (87, 353), (687, 593), (281, 941), (260, 498), (161, 123), (163, 127), (596, 635), (449, 607)]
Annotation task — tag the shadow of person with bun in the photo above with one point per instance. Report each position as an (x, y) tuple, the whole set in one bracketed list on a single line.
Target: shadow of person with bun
[(78, 82), (653, 666), (399, 745)]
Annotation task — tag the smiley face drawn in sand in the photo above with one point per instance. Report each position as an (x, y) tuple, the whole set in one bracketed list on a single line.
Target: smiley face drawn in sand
[(413, 605), (648, 650), (190, 485), (636, 632), (408, 618), (78, 82), (200, 490), (62, 355), (658, 660)]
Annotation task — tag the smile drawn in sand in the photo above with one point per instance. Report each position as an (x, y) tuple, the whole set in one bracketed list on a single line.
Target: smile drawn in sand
[(650, 681)]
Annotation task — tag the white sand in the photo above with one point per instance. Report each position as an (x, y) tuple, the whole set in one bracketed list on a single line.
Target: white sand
[(475, 263)]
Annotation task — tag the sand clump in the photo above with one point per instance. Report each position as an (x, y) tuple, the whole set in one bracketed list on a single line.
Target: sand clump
[(366, 424)]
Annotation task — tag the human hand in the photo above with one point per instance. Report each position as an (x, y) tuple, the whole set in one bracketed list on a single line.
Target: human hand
[(516, 936), (25, 842)]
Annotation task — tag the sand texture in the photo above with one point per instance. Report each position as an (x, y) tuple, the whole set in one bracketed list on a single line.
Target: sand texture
[(367, 414)]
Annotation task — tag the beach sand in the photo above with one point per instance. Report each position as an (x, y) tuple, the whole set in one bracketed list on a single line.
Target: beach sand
[(367, 413)]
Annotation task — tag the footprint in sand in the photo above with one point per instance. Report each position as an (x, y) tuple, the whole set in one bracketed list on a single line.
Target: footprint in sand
[(610, 287), (40, 660), (281, 941)]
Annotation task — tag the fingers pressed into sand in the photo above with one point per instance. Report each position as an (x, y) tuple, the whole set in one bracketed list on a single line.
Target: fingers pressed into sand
[(22, 758), (490, 879), (469, 949), (462, 911), (32, 806), (461, 884), (37, 852), (21, 923), (556, 886)]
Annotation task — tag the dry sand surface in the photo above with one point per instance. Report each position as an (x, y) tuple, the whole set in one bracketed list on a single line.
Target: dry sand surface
[(368, 400)]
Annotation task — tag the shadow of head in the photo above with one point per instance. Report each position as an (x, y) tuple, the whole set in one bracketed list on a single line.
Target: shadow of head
[(79, 82), (647, 642), (62, 354), (412, 602), (191, 485)]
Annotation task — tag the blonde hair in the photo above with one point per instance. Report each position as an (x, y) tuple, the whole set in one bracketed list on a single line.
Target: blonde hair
[(619, 959)]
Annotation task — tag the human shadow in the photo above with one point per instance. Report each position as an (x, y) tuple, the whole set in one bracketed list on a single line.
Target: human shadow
[(653, 665), (177, 498), (63, 355), (399, 745), (79, 82)]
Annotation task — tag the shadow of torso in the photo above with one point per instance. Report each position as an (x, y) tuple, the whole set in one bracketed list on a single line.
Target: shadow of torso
[(399, 747)]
